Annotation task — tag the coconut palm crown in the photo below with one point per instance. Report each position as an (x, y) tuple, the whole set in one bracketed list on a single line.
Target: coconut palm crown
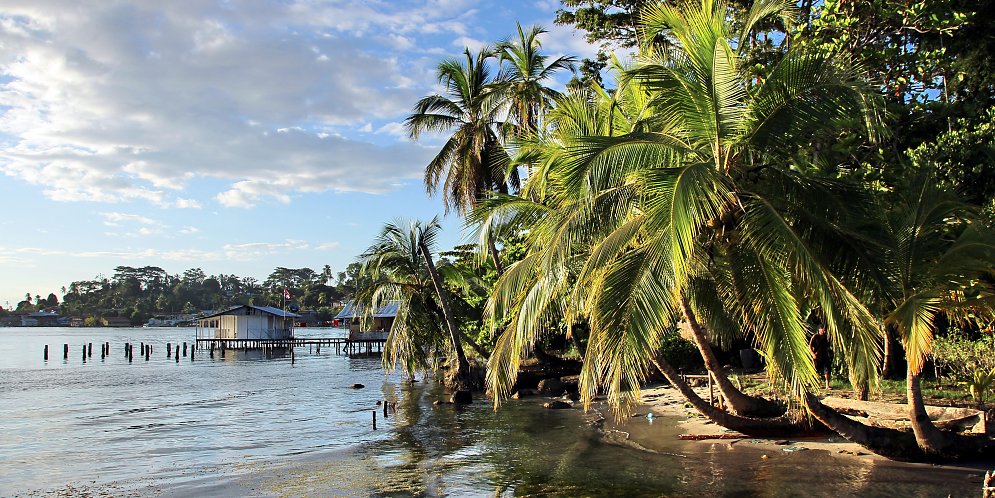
[(696, 204), (473, 161)]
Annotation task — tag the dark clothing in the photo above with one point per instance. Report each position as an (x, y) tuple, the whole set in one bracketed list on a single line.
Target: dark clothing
[(820, 350)]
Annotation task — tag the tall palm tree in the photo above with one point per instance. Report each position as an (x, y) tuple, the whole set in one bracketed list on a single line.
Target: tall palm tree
[(523, 78), (473, 161), (400, 267), (700, 209)]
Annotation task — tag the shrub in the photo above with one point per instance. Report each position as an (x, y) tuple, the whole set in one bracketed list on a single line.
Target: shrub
[(962, 357), (681, 353)]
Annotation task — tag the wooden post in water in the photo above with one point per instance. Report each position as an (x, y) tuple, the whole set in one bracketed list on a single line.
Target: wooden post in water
[(177, 355), (385, 409), (374, 420), (84, 353), (169, 350), (191, 353), (184, 349), (89, 350), (131, 353), (65, 351), (46, 352), (102, 355)]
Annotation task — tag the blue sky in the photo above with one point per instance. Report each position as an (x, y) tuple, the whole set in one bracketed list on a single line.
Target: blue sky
[(234, 136)]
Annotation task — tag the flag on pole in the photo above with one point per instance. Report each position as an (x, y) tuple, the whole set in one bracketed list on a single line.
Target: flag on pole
[(286, 294)]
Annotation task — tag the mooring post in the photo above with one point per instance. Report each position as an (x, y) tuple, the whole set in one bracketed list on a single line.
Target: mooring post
[(89, 350), (169, 350), (46, 352), (177, 355), (191, 353), (65, 351), (84, 353), (102, 355), (131, 353), (385, 409), (374, 420), (184, 349)]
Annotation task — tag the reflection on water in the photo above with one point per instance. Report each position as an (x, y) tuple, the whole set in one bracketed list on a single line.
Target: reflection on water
[(254, 423)]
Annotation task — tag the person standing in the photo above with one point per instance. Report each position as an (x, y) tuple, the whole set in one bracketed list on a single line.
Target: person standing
[(819, 344)]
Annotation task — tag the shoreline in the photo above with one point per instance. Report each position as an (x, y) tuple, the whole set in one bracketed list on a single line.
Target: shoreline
[(666, 403)]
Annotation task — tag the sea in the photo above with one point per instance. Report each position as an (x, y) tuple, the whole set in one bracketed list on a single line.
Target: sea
[(261, 424)]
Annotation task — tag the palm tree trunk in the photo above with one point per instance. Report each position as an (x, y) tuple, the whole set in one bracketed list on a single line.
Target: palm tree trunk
[(930, 439), (891, 443), (495, 256), (740, 403), (463, 366), (752, 426)]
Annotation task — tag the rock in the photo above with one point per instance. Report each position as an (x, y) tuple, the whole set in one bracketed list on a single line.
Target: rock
[(358, 386), (461, 398), (570, 395), (557, 405), (764, 457), (441, 402), (524, 393), (550, 387), (783, 442)]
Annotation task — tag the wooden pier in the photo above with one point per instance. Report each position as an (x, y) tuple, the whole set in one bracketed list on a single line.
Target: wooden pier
[(341, 344)]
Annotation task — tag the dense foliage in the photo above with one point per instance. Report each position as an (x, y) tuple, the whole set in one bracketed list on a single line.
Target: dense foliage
[(144, 292)]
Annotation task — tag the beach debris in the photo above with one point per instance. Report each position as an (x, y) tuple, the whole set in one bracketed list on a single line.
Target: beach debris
[(764, 457), (557, 405), (702, 437), (792, 449)]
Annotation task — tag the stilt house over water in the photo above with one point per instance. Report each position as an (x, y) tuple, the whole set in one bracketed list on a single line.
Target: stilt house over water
[(261, 323), (383, 320)]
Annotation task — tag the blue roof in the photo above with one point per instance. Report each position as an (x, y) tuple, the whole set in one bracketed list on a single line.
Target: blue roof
[(265, 309)]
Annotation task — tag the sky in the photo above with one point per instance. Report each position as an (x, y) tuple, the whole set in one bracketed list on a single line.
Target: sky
[(231, 136)]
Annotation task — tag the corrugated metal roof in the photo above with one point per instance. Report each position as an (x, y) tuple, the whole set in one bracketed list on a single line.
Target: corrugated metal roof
[(347, 311), (388, 310), (265, 309), (352, 310)]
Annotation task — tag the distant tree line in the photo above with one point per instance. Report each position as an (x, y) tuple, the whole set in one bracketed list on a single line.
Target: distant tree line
[(140, 293)]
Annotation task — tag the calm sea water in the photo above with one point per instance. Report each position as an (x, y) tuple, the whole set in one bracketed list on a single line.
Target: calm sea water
[(256, 425)]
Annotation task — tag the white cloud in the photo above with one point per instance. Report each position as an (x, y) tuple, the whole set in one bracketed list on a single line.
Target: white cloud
[(327, 246), (394, 129), (189, 230), (255, 250), (472, 43), (115, 219), (122, 102)]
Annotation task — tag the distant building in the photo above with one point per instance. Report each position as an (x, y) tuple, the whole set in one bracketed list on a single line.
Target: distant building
[(43, 319), (247, 322), (117, 321), (383, 319)]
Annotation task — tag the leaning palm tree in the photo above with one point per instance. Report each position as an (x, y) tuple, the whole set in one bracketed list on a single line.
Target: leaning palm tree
[(935, 255), (700, 210), (401, 269), (473, 161)]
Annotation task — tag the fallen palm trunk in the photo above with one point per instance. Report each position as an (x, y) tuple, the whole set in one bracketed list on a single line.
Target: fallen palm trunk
[(777, 426)]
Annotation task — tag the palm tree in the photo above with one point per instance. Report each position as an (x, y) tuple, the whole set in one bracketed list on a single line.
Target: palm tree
[(700, 209), (523, 77), (935, 253), (400, 267), (473, 161)]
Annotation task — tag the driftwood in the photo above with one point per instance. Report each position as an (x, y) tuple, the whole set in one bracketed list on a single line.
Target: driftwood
[(702, 437)]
